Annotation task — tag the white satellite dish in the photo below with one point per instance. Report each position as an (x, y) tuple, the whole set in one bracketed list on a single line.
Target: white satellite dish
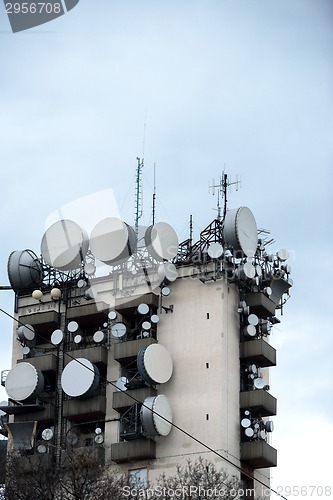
[(99, 337), (57, 337), (89, 268), (215, 250), (143, 309), (167, 272), (240, 230), (154, 318), (41, 448), (155, 364), (269, 426), (24, 382), (258, 383), (161, 241), (146, 325), (47, 434), (249, 432), (252, 319), (99, 439), (245, 422), (112, 315), (72, 326), (282, 255), (78, 339), (118, 330), (250, 330), (81, 283), (165, 291), (26, 350), (26, 333), (24, 270), (156, 416), (112, 241), (262, 434), (64, 245), (80, 378)]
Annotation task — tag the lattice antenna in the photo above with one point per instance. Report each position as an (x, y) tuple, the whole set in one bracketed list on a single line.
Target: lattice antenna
[(138, 196), (222, 191)]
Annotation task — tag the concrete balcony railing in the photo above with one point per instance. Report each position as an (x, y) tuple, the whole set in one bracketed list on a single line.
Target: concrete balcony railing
[(80, 410), (258, 402), (257, 351), (139, 449), (124, 352), (45, 363), (123, 400), (258, 454)]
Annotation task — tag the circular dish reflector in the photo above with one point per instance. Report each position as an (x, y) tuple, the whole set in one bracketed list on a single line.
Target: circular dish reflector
[(250, 330), (156, 416), (47, 434), (41, 448), (24, 382), (24, 270), (143, 309), (253, 319), (258, 383), (112, 241), (165, 291), (245, 422), (78, 339), (89, 268), (154, 318), (26, 351), (112, 315), (99, 336), (64, 245), (25, 332), (57, 337), (249, 432), (215, 250), (269, 426), (240, 230), (161, 241), (80, 378), (167, 272), (155, 364), (118, 330), (146, 325), (72, 326), (99, 439), (283, 255)]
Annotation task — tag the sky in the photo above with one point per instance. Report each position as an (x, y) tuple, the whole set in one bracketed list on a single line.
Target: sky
[(195, 87)]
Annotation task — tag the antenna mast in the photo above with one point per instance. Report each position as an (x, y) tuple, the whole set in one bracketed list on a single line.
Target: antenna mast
[(222, 191), (138, 196)]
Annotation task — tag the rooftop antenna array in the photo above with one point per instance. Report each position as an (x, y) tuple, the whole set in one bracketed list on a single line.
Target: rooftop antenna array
[(222, 188), (138, 196)]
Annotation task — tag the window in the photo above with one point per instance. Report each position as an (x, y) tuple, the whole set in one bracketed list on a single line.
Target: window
[(137, 478)]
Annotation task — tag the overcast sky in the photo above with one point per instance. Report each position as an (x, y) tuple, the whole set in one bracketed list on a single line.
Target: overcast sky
[(199, 86)]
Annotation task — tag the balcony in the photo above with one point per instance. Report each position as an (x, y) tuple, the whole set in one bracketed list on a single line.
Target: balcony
[(45, 363), (44, 323), (123, 400), (96, 354), (77, 410), (257, 351), (258, 454), (129, 307), (139, 449), (125, 352), (260, 304), (258, 402), (89, 314)]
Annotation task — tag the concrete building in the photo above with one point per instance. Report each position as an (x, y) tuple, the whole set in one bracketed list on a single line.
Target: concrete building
[(161, 356)]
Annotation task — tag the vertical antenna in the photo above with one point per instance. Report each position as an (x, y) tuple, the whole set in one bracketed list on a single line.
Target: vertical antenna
[(154, 194), (223, 191), (191, 231), (138, 196)]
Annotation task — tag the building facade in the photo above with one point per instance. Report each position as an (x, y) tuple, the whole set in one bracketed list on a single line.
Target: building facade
[(149, 351)]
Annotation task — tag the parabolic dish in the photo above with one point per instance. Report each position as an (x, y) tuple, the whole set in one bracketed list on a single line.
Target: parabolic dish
[(72, 326), (121, 384), (250, 330), (24, 382), (25, 332), (269, 426), (80, 378), (118, 330), (57, 337), (143, 309), (215, 250), (253, 319), (155, 364), (47, 434), (65, 245), (259, 383), (249, 432), (112, 241), (245, 422), (167, 272), (240, 230), (24, 270), (156, 416), (161, 241), (99, 336)]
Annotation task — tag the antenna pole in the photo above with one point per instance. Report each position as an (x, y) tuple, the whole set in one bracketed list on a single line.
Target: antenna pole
[(138, 196), (154, 194)]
